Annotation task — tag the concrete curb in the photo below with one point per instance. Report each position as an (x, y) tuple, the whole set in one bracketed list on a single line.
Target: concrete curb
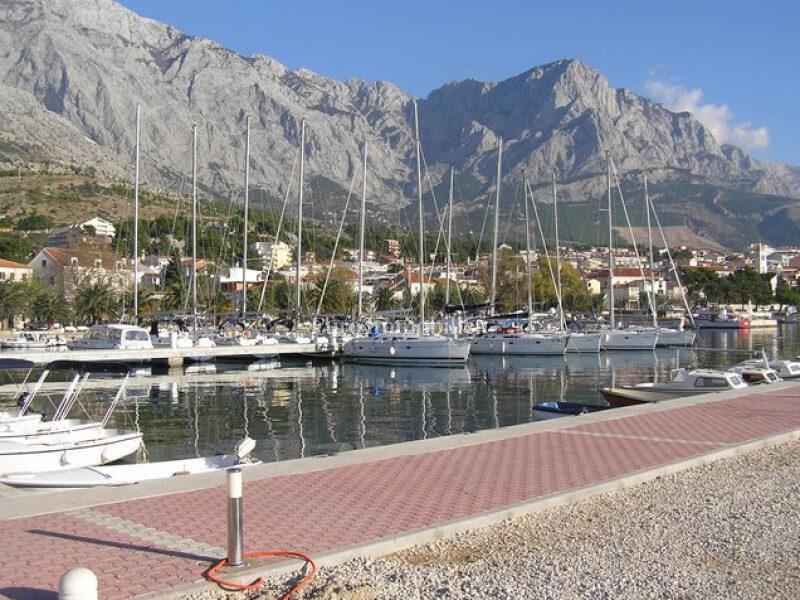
[(388, 545)]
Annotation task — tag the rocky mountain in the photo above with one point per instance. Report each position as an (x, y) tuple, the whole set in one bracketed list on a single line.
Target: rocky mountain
[(72, 72)]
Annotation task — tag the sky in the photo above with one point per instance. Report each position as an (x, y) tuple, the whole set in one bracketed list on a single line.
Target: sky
[(735, 64)]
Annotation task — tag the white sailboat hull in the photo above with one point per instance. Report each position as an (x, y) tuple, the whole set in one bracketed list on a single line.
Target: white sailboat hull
[(584, 342), (671, 338), (111, 446), (618, 339), (520, 343), (389, 349)]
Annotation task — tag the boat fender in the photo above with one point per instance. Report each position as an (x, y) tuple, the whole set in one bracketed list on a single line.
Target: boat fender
[(64, 460), (392, 350)]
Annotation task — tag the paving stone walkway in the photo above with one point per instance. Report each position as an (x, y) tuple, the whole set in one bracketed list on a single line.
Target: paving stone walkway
[(152, 544)]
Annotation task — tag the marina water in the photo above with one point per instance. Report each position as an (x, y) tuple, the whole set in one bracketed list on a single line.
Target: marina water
[(305, 409)]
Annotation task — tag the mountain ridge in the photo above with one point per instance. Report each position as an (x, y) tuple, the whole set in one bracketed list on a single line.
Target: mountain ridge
[(75, 69)]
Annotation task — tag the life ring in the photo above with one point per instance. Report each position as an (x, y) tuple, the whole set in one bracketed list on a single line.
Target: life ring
[(246, 334)]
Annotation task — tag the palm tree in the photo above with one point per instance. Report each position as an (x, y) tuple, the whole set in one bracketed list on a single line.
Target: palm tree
[(384, 299), (50, 307), (13, 300), (95, 302)]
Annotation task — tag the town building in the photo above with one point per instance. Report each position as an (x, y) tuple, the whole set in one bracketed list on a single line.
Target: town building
[(65, 269), (14, 271), (279, 254)]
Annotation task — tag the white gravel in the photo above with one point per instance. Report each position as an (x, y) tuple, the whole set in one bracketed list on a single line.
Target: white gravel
[(725, 530)]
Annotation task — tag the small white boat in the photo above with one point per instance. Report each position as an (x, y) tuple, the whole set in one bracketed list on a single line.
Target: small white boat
[(685, 383), (114, 337), (756, 374), (107, 446), (668, 337), (26, 340), (116, 475)]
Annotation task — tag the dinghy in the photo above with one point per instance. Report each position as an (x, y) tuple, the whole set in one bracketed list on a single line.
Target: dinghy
[(116, 475), (105, 447)]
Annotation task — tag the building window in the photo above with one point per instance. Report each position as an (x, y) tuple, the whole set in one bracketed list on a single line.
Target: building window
[(2, 275)]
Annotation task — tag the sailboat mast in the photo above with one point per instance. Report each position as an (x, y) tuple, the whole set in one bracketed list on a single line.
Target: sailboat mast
[(449, 238), (610, 251), (297, 306), (493, 295), (421, 224), (136, 220), (650, 243), (562, 323), (528, 255), (361, 234), (194, 228), (246, 208)]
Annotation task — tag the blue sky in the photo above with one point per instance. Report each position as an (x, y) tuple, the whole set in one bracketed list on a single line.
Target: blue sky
[(736, 64)]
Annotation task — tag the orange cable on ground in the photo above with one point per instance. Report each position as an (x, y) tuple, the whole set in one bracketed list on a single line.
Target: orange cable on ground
[(211, 573)]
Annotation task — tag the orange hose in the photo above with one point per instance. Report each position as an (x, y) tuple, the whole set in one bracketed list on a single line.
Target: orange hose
[(211, 574)]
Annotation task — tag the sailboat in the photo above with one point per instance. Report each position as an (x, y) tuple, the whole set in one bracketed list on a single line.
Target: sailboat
[(409, 348), (579, 341), (514, 341), (667, 337), (621, 339)]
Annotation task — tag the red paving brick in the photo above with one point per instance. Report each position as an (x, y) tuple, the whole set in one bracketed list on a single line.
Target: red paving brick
[(329, 509)]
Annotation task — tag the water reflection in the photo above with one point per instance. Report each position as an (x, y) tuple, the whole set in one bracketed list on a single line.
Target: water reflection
[(297, 410)]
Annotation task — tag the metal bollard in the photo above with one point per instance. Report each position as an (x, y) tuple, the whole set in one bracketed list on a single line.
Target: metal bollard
[(78, 584), (235, 537)]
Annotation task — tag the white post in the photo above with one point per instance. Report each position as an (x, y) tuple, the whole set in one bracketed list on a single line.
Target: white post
[(493, 295), (78, 584), (361, 235), (246, 207), (136, 221), (235, 534), (298, 307)]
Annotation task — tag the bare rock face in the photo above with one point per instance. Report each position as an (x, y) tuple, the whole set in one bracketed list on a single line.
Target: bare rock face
[(72, 72)]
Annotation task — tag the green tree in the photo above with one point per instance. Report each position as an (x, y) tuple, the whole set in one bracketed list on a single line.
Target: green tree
[(34, 221), (384, 299), (13, 300), (95, 302), (49, 306), (15, 248)]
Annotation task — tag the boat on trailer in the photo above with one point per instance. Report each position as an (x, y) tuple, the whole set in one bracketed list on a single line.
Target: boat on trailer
[(117, 475)]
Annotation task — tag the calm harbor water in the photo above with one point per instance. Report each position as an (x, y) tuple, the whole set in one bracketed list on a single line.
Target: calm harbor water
[(304, 409)]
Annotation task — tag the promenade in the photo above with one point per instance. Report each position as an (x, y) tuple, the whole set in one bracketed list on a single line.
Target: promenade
[(159, 537)]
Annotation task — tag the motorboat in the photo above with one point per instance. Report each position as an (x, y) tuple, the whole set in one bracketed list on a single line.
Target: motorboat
[(587, 342), (756, 374), (629, 339), (116, 475), (711, 319), (28, 340), (9, 420), (549, 410), (107, 446), (685, 383), (407, 348), (512, 340), (114, 337)]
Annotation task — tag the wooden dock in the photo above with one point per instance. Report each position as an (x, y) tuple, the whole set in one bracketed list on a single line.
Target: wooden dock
[(173, 357)]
